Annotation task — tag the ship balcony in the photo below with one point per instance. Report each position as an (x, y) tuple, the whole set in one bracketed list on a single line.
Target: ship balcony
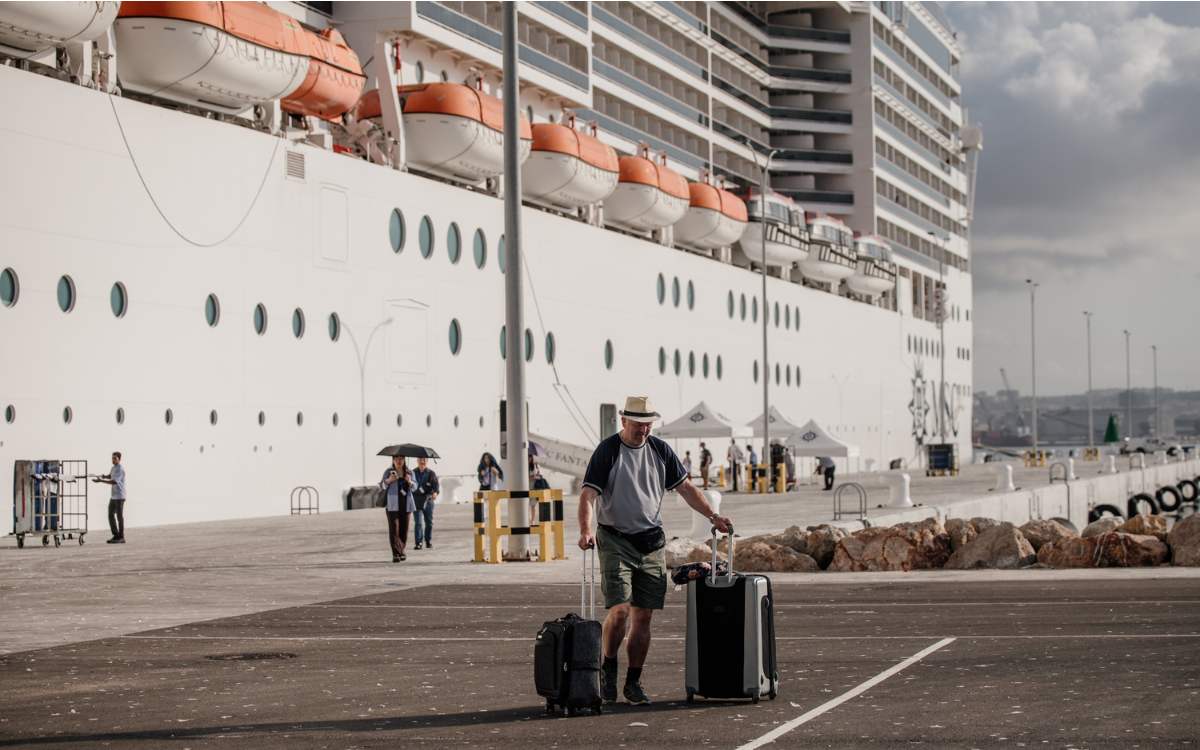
[(806, 197), (801, 119), (811, 161), (809, 74)]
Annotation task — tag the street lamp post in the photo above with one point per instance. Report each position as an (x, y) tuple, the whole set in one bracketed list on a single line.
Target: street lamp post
[(361, 358), (1091, 423), (1033, 360), (943, 410), (763, 186), (1128, 394), (1157, 426)]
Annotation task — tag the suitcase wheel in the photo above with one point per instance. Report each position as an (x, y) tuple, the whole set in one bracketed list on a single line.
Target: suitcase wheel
[(20, 541), (549, 706), (570, 711), (754, 699), (599, 710), (690, 696)]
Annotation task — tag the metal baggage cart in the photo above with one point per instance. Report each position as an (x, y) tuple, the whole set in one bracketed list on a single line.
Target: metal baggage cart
[(50, 500)]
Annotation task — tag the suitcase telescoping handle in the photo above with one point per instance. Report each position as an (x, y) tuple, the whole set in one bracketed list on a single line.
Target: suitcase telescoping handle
[(729, 571), (584, 588)]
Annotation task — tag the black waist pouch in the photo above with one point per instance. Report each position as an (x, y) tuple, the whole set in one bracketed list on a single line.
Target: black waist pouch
[(645, 542)]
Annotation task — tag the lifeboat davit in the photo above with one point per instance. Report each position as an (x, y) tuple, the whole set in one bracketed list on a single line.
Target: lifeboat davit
[(876, 271), (831, 255), (785, 230), (648, 196), (568, 169), (28, 28), (715, 218), (228, 57), (452, 130)]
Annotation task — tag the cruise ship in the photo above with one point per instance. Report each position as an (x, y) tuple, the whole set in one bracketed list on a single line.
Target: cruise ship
[(249, 244)]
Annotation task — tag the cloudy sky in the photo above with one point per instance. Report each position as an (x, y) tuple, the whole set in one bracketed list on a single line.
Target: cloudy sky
[(1089, 183)]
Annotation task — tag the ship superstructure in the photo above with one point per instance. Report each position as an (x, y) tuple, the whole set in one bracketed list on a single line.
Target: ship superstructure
[(246, 278)]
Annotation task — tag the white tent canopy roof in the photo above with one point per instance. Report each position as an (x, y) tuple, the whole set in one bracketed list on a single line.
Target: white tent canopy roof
[(811, 440), (701, 421), (781, 426)]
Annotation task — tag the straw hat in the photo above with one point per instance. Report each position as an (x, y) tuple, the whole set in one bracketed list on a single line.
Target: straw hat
[(640, 409)]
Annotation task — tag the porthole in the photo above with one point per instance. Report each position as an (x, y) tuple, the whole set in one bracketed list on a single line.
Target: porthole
[(212, 310), (429, 420), (399, 420), (455, 337), (729, 305), (777, 379), (720, 368), (608, 354), (662, 289), (503, 342), (691, 364), (335, 419), (298, 323), (262, 419), (742, 307), (454, 243), (662, 361), (675, 291), (212, 417), (420, 72), (169, 417), (66, 294), (797, 317), (678, 362), (756, 371), (425, 236), (480, 249), (299, 419), (549, 348), (120, 415), (10, 414), (396, 230), (500, 253), (367, 419), (456, 420), (691, 297), (754, 309), (68, 415), (118, 300), (788, 375), (704, 366), (10, 287), (528, 344), (481, 422), (787, 317), (335, 327), (444, 77), (529, 114), (260, 319), (776, 314), (797, 376)]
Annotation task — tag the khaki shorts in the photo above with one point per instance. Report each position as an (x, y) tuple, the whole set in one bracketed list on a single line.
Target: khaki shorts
[(628, 576)]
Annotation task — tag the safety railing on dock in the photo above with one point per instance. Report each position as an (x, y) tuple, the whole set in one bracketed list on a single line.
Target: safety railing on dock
[(547, 524)]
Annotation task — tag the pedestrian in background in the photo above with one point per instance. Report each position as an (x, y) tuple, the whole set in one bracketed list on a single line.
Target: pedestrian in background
[(398, 482), (752, 467), (116, 505), (687, 463), (705, 464), (734, 456), (425, 492), (489, 472), (826, 465)]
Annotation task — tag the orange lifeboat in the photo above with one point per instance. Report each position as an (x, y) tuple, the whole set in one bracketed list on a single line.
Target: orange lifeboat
[(453, 130), (228, 57), (568, 169), (649, 196), (715, 218)]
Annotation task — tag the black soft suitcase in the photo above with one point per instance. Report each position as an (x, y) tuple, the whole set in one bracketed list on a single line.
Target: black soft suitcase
[(730, 650), (567, 657)]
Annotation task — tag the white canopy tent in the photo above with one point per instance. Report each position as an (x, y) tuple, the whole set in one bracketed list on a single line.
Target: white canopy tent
[(781, 426), (811, 440), (701, 421)]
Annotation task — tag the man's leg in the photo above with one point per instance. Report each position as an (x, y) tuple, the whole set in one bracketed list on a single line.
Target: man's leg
[(419, 528), (429, 523), (614, 630), (121, 518), (639, 637), (112, 517)]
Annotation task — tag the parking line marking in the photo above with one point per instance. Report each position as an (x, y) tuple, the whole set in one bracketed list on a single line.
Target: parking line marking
[(1117, 636), (783, 729)]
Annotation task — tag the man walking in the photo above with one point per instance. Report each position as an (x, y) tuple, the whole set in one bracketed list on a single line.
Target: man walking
[(625, 481), (116, 505), (734, 456), (752, 467), (826, 465), (425, 492), (705, 464)]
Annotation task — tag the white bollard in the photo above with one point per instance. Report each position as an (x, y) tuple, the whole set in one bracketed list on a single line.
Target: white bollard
[(897, 483), (870, 463), (1162, 457), (450, 487), (1112, 465), (1071, 470), (701, 526), (1004, 482)]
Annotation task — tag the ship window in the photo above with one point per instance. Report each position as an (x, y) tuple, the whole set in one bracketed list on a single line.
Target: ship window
[(662, 361), (742, 307), (754, 309), (453, 243), (692, 364), (212, 417), (118, 299), (755, 371), (528, 344), (299, 419), (500, 253), (797, 316), (776, 373), (456, 420), (691, 296), (720, 367), (425, 236), (662, 289), (212, 310), (529, 114), (480, 249), (260, 319), (66, 294), (549, 348), (335, 327), (481, 422), (429, 420), (729, 305), (788, 375), (608, 354), (335, 419), (168, 417), (704, 365), (444, 77), (396, 230), (776, 314), (298, 323), (10, 287), (678, 362), (10, 414), (503, 342), (797, 376), (675, 291), (68, 415), (262, 418), (399, 420), (455, 337), (787, 318), (368, 420), (120, 415), (968, 316)]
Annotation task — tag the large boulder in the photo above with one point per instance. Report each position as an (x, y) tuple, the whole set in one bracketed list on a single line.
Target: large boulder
[(1041, 532), (920, 545), (1110, 550), (1145, 525), (1184, 541), (1101, 526), (822, 541), (755, 556), (677, 550), (960, 532), (1002, 546), (982, 524)]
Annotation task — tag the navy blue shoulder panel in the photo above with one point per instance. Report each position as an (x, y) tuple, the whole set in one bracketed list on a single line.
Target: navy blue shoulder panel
[(675, 473), (603, 459)]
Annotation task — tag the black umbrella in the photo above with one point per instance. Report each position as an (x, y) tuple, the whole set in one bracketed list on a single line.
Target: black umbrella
[(409, 450)]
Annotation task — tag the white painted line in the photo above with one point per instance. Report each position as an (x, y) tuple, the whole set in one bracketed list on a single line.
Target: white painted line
[(855, 605), (783, 729), (1115, 636)]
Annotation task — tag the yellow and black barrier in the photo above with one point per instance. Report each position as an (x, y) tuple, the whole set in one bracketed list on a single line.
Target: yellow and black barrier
[(1091, 454), (1034, 458), (758, 478), (547, 524)]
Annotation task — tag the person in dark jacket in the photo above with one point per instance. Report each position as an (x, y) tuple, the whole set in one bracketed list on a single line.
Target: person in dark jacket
[(489, 472), (397, 482), (425, 492)]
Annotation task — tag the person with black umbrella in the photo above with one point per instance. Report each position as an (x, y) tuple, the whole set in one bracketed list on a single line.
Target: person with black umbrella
[(397, 482)]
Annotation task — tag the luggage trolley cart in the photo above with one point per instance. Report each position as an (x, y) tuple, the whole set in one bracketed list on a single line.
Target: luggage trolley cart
[(50, 500)]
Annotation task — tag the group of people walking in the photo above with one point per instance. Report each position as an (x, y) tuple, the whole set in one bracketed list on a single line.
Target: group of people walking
[(409, 494)]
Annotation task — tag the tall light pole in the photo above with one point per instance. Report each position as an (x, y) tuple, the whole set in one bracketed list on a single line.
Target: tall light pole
[(941, 324), (1091, 423), (1033, 360), (1157, 426), (764, 184), (361, 358), (1128, 394)]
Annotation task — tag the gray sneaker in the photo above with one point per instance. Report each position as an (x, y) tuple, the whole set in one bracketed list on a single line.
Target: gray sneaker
[(635, 695), (608, 684)]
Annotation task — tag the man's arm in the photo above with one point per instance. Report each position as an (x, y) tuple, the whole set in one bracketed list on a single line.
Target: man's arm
[(586, 498), (696, 500)]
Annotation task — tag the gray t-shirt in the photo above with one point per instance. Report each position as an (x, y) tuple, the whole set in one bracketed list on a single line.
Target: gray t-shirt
[(631, 482), (118, 477)]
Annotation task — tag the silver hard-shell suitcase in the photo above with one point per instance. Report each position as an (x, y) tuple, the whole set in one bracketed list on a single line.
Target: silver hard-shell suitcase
[(730, 635)]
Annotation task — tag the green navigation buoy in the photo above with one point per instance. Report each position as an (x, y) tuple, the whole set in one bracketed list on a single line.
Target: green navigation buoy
[(1111, 433)]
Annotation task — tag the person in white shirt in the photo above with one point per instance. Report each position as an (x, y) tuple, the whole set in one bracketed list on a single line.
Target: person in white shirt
[(734, 456), (116, 505)]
